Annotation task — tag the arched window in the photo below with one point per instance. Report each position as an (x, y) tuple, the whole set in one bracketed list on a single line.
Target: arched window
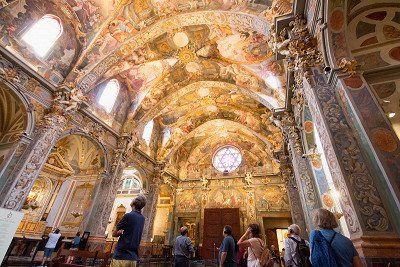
[(43, 34), (132, 183), (148, 130), (109, 95)]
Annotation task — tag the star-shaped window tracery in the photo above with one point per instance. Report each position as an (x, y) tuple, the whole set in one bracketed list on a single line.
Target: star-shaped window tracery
[(227, 159)]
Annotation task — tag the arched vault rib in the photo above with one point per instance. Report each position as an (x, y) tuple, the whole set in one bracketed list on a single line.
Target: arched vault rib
[(178, 138), (235, 19), (172, 98)]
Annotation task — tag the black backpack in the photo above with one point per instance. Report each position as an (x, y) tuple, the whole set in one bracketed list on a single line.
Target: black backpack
[(303, 251)]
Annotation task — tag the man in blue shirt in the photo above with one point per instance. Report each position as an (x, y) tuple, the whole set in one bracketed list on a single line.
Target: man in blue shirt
[(183, 248), (129, 230), (227, 251)]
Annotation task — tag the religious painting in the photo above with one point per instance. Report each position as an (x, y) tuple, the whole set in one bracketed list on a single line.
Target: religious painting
[(226, 198), (187, 201), (272, 198)]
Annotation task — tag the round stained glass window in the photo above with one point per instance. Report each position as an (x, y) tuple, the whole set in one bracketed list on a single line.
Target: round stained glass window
[(227, 159)]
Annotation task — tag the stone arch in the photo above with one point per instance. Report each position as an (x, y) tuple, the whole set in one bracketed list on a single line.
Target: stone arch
[(16, 124), (94, 139)]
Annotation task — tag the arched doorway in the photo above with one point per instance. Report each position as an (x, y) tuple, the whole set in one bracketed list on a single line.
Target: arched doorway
[(132, 184)]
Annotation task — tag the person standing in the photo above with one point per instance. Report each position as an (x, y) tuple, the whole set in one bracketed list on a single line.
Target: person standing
[(254, 244), (297, 251), (328, 247), (51, 245), (183, 249), (129, 230), (74, 246), (227, 250)]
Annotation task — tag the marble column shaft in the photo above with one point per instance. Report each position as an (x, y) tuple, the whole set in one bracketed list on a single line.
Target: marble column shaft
[(303, 176), (149, 210), (106, 194), (295, 201)]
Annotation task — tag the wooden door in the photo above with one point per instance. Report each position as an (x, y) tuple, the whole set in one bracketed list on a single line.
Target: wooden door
[(214, 222)]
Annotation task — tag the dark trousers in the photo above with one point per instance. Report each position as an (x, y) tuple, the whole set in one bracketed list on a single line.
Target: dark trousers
[(181, 261)]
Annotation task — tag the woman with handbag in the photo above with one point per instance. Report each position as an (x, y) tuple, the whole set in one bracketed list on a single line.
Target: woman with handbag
[(257, 253)]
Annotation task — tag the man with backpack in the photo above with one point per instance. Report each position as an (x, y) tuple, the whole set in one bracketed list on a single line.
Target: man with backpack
[(297, 250)]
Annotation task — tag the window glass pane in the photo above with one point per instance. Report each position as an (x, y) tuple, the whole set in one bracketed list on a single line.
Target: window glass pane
[(109, 95), (148, 129), (227, 159), (43, 34)]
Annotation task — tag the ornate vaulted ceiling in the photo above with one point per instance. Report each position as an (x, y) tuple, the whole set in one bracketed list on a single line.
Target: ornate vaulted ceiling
[(200, 69)]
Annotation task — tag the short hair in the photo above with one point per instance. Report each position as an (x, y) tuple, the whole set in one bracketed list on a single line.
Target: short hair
[(183, 230), (78, 234), (139, 202), (228, 229), (295, 229), (57, 231), (255, 229), (324, 219)]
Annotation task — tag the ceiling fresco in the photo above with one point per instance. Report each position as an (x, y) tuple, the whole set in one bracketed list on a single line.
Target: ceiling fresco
[(202, 70)]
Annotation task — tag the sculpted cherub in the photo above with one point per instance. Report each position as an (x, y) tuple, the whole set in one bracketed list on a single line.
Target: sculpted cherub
[(204, 182), (248, 179)]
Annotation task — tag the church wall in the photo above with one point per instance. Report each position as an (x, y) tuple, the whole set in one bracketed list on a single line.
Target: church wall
[(257, 198)]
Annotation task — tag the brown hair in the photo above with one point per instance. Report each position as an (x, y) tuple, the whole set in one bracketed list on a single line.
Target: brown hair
[(255, 230), (324, 219), (139, 202)]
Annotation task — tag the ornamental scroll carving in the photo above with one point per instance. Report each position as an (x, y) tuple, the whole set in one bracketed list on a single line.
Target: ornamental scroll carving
[(298, 47), (342, 148), (300, 165)]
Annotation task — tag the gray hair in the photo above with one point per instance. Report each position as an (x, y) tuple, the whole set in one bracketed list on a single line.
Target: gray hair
[(139, 202), (295, 229), (324, 219)]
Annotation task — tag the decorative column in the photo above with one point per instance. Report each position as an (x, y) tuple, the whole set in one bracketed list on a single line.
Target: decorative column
[(46, 135), (293, 194), (364, 206), (152, 198), (106, 193), (303, 176)]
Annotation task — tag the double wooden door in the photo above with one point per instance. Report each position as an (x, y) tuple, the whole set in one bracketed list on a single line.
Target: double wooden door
[(214, 222)]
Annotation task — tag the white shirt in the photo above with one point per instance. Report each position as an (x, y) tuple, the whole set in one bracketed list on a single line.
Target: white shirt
[(53, 238), (291, 256)]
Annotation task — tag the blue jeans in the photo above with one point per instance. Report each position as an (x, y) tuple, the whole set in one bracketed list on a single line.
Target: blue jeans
[(181, 261)]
